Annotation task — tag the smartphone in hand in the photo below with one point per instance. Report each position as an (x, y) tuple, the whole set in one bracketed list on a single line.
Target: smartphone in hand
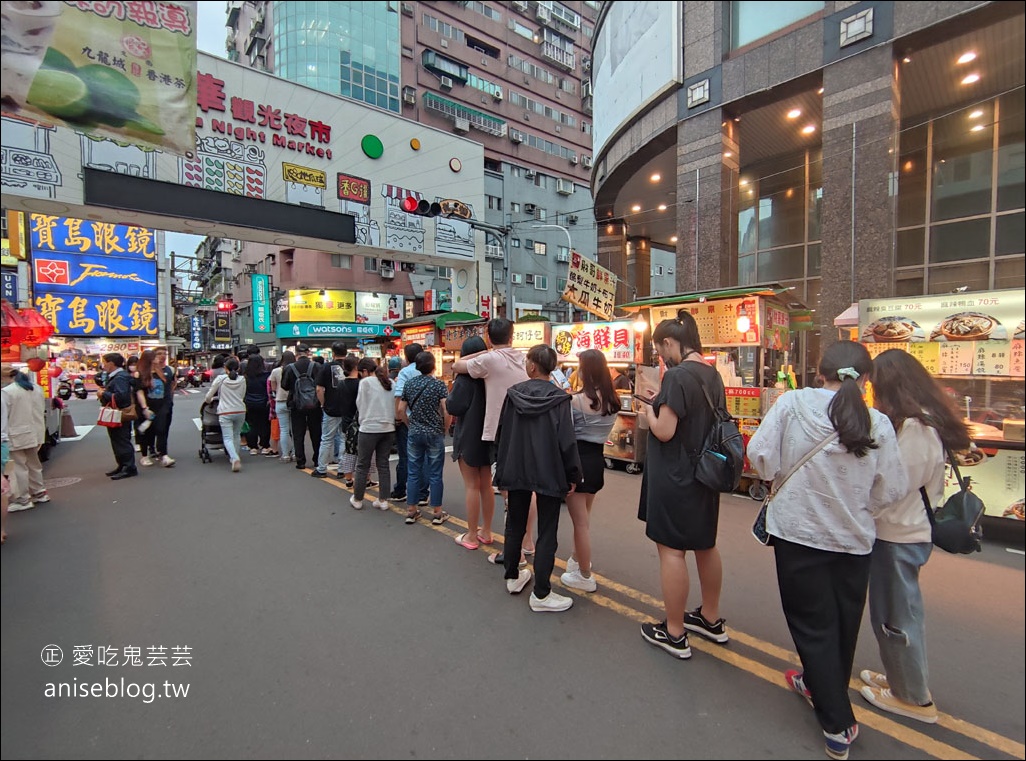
[(642, 399)]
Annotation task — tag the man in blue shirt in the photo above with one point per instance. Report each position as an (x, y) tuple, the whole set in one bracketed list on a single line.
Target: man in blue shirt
[(402, 432)]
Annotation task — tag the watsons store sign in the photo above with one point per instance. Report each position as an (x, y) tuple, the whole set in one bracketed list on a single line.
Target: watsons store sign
[(332, 330)]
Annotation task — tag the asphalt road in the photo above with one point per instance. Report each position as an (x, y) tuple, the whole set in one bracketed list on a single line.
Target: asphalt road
[(313, 630)]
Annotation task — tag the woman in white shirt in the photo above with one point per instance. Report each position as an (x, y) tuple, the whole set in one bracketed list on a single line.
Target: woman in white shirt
[(281, 408), (230, 390), (821, 523), (375, 406), (927, 422)]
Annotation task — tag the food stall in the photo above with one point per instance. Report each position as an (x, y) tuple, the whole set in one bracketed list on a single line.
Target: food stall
[(749, 335), (621, 344), (453, 335), (974, 344), (428, 330)]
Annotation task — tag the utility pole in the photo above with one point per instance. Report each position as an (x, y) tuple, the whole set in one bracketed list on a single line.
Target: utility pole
[(570, 248), (502, 231)]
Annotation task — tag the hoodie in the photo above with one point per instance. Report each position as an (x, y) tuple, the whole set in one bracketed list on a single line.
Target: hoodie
[(537, 446)]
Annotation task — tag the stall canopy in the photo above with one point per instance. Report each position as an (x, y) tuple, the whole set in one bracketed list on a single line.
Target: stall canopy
[(849, 318), (774, 289), (438, 319)]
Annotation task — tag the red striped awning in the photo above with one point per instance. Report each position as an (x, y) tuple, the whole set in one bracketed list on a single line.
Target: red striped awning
[(396, 191)]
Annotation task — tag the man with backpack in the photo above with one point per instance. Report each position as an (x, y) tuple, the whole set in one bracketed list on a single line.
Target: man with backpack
[(330, 390), (300, 380)]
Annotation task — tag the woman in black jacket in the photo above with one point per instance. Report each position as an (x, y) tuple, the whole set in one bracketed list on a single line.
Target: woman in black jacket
[(119, 387), (537, 453), (467, 403), (258, 411)]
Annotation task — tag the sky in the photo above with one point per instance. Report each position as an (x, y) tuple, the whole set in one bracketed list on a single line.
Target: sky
[(210, 36)]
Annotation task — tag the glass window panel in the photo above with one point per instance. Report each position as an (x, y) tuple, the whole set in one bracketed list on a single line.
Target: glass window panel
[(1010, 273), (909, 283), (961, 166), (781, 264), (1010, 237), (910, 247), (974, 276), (781, 203), (752, 20), (1011, 160), (746, 270), (747, 224), (815, 258), (960, 240), (912, 177)]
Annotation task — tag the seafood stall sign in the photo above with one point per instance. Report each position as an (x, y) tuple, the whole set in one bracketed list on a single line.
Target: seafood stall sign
[(950, 318)]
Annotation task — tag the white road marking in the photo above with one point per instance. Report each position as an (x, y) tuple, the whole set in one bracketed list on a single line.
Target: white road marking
[(80, 433), (1017, 552)]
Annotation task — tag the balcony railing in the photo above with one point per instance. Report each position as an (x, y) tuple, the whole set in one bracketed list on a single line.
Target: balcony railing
[(476, 119), (558, 56)]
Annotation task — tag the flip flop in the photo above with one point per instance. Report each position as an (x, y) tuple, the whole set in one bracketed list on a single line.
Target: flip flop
[(482, 540), (461, 540)]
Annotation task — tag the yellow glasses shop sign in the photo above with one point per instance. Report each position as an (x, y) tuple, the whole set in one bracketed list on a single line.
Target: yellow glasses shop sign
[(322, 306)]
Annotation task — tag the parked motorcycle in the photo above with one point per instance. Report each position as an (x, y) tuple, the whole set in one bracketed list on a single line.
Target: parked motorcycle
[(79, 388), (64, 389)]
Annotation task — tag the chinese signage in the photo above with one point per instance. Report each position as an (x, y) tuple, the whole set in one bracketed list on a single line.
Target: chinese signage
[(744, 402), (423, 335), (320, 306), (529, 334), (453, 336), (951, 318), (222, 330), (383, 308), (354, 189), (590, 287), (717, 320), (330, 330), (196, 325), (485, 310), (778, 326), (614, 339), (304, 175), (261, 303), (437, 301), (94, 278), (124, 70)]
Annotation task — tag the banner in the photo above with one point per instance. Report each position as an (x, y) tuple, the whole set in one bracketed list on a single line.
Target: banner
[(84, 357), (261, 289), (590, 287), (951, 318), (222, 329), (123, 70), (10, 291), (196, 326), (437, 301), (382, 308), (320, 306), (614, 339), (332, 330)]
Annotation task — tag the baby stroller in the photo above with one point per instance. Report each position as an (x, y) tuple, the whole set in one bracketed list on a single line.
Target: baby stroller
[(210, 431)]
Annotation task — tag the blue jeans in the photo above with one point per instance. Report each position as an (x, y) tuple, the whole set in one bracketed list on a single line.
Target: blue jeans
[(426, 457), (896, 612), (231, 431), (330, 427), (285, 445)]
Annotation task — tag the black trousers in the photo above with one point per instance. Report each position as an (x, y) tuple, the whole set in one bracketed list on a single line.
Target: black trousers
[(153, 442), (823, 595), (519, 506), (302, 422), (121, 445), (259, 418)]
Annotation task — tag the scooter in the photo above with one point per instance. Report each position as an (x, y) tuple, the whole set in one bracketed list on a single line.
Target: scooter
[(64, 389), (79, 387)]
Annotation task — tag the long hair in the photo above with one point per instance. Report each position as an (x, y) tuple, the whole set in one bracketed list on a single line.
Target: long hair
[(145, 369), (287, 358), (254, 366), (218, 362), (232, 366), (596, 382), (683, 330), (903, 389), (472, 345), (848, 411), (368, 365)]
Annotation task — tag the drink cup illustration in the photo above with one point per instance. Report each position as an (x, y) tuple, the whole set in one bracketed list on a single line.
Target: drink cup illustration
[(28, 28)]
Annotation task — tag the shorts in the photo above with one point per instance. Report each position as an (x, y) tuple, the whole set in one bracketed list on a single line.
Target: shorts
[(593, 464)]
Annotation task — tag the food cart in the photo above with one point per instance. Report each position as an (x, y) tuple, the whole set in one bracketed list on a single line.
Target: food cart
[(749, 335), (973, 343), (621, 344), (429, 330)]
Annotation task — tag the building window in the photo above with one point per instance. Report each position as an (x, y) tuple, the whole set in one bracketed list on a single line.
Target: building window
[(514, 242), (370, 264), (514, 207), (494, 203), (529, 279), (528, 243), (444, 29), (539, 248), (498, 275), (342, 261), (541, 283), (539, 214), (515, 171), (561, 284), (751, 20)]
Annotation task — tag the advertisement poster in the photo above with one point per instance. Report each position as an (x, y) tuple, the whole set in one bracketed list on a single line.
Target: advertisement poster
[(949, 318), (590, 287), (320, 306), (999, 479), (718, 320), (123, 70), (379, 308), (222, 330), (261, 288), (614, 339), (82, 356), (94, 278)]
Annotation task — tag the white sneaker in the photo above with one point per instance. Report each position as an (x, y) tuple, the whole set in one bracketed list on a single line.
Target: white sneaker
[(356, 503), (381, 504), (552, 604), (167, 461), (146, 461), (40, 499), (516, 586), (236, 465), (15, 507), (137, 448), (572, 564), (577, 580)]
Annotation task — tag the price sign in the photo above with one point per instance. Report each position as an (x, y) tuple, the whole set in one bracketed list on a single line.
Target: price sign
[(992, 358), (928, 355), (956, 358), (1017, 359), (744, 402), (875, 349)]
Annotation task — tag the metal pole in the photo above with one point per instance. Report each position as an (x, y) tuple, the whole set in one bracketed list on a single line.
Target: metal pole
[(570, 248)]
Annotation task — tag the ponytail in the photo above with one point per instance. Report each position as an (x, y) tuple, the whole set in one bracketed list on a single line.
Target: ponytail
[(232, 366), (846, 362)]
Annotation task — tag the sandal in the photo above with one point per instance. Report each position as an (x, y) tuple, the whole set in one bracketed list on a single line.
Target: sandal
[(482, 540), (413, 517), (461, 540)]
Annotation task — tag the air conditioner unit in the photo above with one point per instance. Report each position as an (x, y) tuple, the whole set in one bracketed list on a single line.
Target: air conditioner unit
[(529, 174), (515, 136), (573, 160), (542, 13), (564, 187), (387, 273), (236, 257), (445, 83), (407, 9), (516, 278), (409, 96), (586, 161), (530, 208), (461, 125), (571, 219), (520, 6), (586, 64), (497, 95)]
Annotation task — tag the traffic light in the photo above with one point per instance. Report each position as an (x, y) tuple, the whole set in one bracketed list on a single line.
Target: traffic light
[(423, 208), (225, 305)]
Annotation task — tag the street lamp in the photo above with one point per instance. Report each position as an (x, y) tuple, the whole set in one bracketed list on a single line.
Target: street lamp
[(570, 247)]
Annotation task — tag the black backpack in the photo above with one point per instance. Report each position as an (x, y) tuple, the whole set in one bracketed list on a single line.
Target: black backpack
[(719, 464), (304, 392), (955, 525)]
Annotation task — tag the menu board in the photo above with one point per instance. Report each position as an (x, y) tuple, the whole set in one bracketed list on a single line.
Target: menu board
[(1017, 359), (956, 358), (717, 320), (949, 318), (999, 480), (992, 358), (614, 339), (778, 327), (928, 355), (744, 402), (876, 349)]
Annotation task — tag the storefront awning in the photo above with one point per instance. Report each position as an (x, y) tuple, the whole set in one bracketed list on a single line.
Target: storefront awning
[(849, 318), (720, 293), (438, 319)]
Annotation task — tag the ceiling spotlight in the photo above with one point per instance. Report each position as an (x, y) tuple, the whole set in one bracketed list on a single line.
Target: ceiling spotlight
[(742, 183), (656, 177), (794, 113), (808, 129), (820, 91), (727, 154), (967, 57), (977, 128), (673, 239), (976, 114), (636, 207), (971, 79), (906, 59), (662, 207)]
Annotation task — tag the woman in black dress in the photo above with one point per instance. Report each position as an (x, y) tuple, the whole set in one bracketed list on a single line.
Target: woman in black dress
[(466, 403), (680, 513)]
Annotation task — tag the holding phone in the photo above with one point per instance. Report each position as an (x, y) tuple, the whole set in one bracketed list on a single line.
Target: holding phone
[(642, 399)]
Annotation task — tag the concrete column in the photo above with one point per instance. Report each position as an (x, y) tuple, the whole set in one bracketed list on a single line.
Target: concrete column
[(707, 197), (612, 254), (861, 116), (639, 267)]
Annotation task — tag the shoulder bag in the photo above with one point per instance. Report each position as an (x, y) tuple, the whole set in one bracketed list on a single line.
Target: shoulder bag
[(955, 525), (721, 461), (110, 415), (759, 530)]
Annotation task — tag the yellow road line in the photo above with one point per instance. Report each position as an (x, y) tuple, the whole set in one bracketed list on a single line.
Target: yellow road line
[(865, 716)]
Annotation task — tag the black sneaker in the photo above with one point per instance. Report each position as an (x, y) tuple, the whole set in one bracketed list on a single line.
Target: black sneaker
[(658, 636), (695, 622), (318, 474), (398, 497)]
